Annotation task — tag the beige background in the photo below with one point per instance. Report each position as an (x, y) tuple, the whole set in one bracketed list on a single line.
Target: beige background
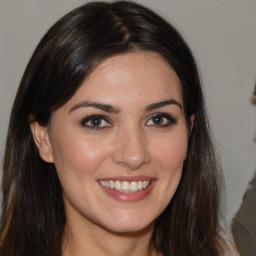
[(222, 34)]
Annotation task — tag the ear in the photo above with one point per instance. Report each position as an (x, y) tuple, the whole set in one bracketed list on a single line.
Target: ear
[(42, 141)]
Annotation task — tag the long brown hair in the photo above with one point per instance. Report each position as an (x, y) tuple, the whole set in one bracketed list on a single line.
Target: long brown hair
[(33, 216)]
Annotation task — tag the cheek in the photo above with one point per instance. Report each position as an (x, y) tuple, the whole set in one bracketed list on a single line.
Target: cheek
[(170, 155), (76, 156), (171, 152)]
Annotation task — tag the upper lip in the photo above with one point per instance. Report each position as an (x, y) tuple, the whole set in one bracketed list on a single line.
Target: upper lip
[(129, 178)]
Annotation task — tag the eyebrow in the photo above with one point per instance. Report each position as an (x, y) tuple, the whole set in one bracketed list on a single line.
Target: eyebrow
[(101, 106), (110, 109), (162, 104)]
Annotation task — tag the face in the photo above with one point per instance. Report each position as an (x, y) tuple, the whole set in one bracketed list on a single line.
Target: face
[(119, 143)]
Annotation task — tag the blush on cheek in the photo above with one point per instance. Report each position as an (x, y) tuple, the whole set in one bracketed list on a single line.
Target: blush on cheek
[(78, 159), (173, 157)]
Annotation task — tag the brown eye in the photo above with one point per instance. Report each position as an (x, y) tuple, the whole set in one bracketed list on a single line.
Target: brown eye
[(158, 120), (95, 122), (161, 120)]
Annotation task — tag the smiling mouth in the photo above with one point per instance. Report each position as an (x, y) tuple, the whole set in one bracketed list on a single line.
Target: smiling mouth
[(125, 186)]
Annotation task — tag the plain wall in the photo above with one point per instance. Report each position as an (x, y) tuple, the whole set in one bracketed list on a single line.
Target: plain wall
[(222, 35)]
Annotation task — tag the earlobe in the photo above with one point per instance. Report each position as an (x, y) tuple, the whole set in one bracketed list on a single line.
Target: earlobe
[(41, 139)]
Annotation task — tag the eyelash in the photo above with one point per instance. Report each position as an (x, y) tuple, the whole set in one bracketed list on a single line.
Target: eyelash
[(84, 122), (169, 120), (166, 120)]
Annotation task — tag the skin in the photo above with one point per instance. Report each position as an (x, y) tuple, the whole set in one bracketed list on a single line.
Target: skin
[(130, 142)]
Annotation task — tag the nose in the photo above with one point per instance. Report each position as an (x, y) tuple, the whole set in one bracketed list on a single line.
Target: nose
[(131, 150)]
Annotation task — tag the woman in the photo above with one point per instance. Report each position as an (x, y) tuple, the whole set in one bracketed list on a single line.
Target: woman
[(108, 150)]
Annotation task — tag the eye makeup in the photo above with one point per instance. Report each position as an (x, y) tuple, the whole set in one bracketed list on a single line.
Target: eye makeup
[(161, 120), (98, 122), (95, 122)]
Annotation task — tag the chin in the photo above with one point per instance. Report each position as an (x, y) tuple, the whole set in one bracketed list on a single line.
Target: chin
[(130, 225)]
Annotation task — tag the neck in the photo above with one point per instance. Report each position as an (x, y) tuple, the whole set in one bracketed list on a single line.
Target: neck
[(80, 241)]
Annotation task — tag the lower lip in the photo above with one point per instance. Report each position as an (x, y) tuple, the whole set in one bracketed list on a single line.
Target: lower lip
[(130, 196)]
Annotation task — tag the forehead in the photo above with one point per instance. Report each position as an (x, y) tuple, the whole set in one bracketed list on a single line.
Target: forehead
[(131, 78)]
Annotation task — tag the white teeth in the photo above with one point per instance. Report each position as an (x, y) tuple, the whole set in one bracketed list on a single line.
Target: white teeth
[(102, 182), (145, 183), (133, 186), (111, 184), (118, 185), (125, 186), (140, 185)]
